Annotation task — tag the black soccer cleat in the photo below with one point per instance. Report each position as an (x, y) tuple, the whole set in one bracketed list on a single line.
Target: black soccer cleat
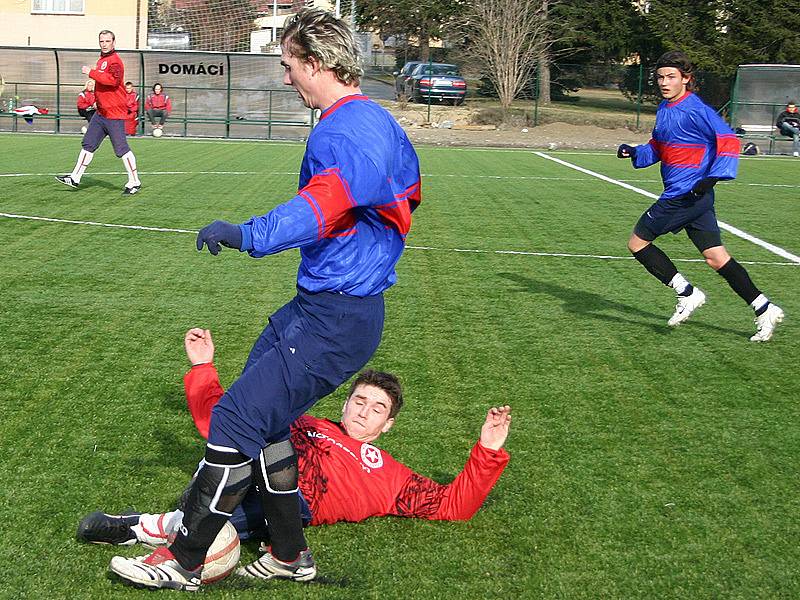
[(100, 528), (67, 180), (130, 191)]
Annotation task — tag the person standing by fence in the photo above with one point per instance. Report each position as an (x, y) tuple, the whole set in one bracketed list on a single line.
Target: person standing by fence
[(112, 112)]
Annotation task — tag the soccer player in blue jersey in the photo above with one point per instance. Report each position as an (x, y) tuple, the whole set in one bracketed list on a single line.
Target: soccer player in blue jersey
[(696, 149), (359, 183)]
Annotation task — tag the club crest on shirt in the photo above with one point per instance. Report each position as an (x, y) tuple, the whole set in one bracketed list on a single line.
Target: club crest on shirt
[(103, 65), (371, 456)]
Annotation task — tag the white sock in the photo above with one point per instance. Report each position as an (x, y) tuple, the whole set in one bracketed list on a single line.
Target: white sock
[(129, 160), (84, 158), (760, 301), (679, 283), (155, 529)]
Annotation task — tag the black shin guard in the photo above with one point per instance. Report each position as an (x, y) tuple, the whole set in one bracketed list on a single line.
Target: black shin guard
[(739, 280), (217, 489), (657, 263), (276, 476)]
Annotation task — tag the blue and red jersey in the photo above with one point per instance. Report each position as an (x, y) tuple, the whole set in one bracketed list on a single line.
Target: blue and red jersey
[(359, 183), (692, 142)]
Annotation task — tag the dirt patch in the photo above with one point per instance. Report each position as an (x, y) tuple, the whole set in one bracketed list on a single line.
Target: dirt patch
[(448, 128)]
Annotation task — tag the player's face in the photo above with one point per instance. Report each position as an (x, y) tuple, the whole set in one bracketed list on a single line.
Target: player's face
[(129, 88), (792, 108), (671, 82), (106, 42), (298, 74), (366, 413)]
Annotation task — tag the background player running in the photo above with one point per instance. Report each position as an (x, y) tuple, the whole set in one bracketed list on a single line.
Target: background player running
[(110, 118), (696, 149), (343, 476)]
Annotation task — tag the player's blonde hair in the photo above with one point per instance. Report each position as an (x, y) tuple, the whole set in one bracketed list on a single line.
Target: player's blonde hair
[(316, 33)]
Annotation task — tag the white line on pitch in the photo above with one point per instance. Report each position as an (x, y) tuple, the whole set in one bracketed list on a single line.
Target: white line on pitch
[(431, 248), (729, 228)]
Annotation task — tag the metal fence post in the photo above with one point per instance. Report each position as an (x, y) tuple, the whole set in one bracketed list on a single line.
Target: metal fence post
[(141, 93), (228, 107), (58, 93), (536, 98), (430, 88), (185, 108), (269, 117)]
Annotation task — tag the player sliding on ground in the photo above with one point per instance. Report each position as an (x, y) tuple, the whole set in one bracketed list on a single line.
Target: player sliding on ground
[(696, 149), (343, 476)]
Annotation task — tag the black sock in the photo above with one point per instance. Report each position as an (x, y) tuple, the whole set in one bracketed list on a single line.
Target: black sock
[(657, 263), (737, 277), (281, 510)]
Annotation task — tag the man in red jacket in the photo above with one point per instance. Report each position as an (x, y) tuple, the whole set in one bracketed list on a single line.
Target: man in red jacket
[(112, 112), (86, 103), (343, 476), (132, 122)]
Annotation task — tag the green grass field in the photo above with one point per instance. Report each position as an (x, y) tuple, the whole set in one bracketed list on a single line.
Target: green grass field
[(646, 462)]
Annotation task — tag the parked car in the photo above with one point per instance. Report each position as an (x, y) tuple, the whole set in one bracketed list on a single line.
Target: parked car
[(437, 81), (402, 76)]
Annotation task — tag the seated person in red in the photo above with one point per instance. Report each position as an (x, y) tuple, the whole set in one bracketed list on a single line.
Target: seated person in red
[(132, 122), (87, 103), (158, 106), (343, 476)]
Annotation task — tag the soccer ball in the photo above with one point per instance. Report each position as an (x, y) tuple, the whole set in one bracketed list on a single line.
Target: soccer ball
[(83, 129), (223, 555), (157, 133)]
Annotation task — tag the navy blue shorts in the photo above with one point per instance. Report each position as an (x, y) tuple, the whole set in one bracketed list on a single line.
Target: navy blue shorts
[(248, 517), (688, 212), (100, 127), (309, 348)]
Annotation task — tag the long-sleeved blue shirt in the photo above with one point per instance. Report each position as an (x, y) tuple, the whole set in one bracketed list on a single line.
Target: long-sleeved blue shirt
[(359, 183), (692, 142)]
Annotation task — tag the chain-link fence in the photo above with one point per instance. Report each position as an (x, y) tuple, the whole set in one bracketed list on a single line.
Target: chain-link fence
[(213, 94)]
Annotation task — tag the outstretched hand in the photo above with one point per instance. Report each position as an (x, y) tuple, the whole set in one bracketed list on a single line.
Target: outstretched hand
[(495, 429), (199, 346), (219, 232), (626, 151)]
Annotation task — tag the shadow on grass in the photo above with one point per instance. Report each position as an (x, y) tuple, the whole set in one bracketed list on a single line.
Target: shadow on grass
[(593, 305)]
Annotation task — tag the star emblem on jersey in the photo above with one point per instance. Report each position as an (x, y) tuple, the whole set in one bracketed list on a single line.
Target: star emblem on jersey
[(371, 456)]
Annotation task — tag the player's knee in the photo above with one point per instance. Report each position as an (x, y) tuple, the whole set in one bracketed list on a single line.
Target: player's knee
[(224, 479), (278, 466)]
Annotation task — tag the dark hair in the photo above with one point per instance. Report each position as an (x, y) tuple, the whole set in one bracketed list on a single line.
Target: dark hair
[(790, 102), (678, 60), (387, 382), (158, 84), (113, 37), (128, 83)]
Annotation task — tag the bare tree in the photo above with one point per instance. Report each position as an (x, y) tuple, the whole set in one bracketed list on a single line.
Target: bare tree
[(509, 37)]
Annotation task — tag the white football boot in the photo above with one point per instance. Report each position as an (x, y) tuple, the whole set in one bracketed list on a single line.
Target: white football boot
[(158, 570), (766, 323), (686, 306)]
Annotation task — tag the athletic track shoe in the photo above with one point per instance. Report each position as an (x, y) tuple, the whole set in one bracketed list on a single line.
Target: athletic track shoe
[(159, 570), (100, 528), (67, 180), (766, 323), (686, 306), (268, 567), (130, 191)]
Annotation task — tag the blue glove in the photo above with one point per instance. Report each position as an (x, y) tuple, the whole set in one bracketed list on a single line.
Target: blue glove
[(625, 151), (704, 185), (219, 232)]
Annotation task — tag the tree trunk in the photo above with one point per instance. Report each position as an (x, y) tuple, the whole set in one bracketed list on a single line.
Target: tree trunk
[(543, 74), (424, 47)]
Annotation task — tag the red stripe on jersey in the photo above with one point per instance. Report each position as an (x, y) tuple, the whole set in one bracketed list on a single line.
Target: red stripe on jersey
[(336, 105), (412, 193), (656, 146), (680, 155), (727, 145), (328, 192)]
